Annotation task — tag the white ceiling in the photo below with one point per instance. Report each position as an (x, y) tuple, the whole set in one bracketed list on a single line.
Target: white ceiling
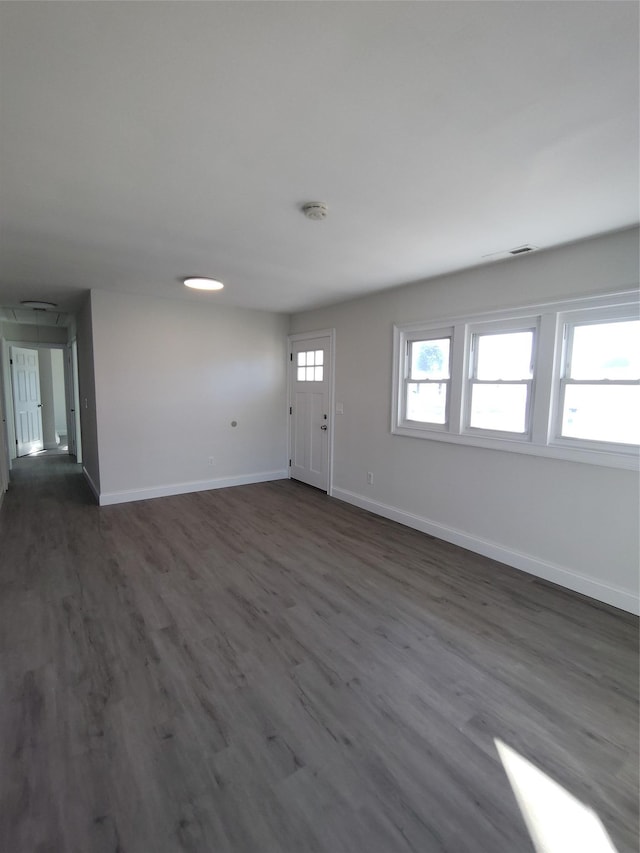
[(142, 142)]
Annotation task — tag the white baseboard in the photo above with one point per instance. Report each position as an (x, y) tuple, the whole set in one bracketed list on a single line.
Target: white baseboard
[(91, 484), (607, 593), (109, 498)]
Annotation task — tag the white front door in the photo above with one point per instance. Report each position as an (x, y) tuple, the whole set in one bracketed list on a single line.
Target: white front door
[(310, 385), (25, 377)]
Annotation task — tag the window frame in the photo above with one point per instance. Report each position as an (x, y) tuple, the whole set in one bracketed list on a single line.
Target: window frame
[(568, 321), (500, 327), (545, 410), (409, 339)]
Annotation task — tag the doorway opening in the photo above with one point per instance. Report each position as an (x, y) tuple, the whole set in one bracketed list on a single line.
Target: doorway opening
[(41, 400)]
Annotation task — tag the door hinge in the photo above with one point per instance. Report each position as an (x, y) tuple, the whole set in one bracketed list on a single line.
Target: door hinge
[(10, 361), (290, 356), (290, 410), (289, 460)]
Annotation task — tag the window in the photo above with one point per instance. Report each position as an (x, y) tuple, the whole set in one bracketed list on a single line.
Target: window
[(426, 385), (559, 380), (310, 366), (501, 381), (600, 385)]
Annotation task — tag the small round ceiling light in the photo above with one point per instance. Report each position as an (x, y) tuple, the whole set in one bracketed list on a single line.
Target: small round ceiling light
[(37, 303), (200, 283), (315, 210)]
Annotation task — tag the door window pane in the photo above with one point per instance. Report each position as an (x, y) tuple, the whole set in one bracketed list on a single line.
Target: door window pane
[(506, 356), (427, 402), (499, 407), (310, 366), (430, 359), (602, 413)]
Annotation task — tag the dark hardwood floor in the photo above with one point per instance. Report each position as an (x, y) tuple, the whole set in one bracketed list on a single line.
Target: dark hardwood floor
[(265, 669)]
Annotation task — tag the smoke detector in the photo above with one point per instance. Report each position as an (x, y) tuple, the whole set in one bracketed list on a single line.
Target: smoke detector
[(315, 210)]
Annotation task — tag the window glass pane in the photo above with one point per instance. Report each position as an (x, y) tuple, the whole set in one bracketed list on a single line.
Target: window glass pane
[(505, 356), (430, 359), (301, 374), (318, 373), (302, 358), (499, 407), (319, 356), (602, 413), (606, 351), (427, 402), (309, 374)]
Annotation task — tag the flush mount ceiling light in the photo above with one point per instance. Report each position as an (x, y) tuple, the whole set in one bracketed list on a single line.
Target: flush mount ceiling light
[(200, 283), (36, 303), (315, 210)]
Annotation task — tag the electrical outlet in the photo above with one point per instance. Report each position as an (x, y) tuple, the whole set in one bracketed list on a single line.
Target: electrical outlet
[(211, 460), (370, 477)]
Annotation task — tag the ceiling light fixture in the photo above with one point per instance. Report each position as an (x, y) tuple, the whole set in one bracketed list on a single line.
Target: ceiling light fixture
[(36, 303), (200, 283)]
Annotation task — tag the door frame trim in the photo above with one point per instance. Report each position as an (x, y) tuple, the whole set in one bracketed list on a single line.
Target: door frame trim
[(304, 336)]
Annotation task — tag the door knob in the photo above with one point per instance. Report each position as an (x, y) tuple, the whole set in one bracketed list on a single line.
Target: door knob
[(324, 426)]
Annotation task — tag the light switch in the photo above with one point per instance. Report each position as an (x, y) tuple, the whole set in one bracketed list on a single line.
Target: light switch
[(339, 408)]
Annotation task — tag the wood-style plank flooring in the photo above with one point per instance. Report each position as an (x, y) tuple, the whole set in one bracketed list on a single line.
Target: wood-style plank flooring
[(265, 670)]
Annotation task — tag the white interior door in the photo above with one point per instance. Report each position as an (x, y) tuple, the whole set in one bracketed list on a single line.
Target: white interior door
[(310, 385), (25, 378)]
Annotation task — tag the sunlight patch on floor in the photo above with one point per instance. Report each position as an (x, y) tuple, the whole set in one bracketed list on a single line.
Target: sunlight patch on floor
[(556, 820)]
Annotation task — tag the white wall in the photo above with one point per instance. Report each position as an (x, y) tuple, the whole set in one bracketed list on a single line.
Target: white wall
[(29, 333), (59, 399), (87, 392), (170, 377), (47, 400), (4, 452), (574, 523)]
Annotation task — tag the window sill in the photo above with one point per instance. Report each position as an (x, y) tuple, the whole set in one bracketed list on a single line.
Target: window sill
[(627, 460)]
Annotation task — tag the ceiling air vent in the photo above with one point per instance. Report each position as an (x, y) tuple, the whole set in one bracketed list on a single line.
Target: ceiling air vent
[(507, 253)]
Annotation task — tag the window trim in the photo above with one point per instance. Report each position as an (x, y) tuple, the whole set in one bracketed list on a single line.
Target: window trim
[(567, 322), (501, 327), (433, 334), (542, 439)]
